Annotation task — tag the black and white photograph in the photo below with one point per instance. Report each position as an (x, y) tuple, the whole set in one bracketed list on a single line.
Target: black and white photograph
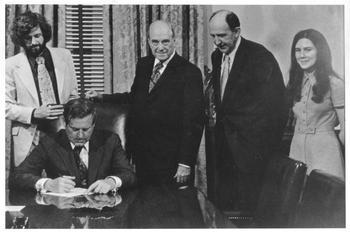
[(175, 115)]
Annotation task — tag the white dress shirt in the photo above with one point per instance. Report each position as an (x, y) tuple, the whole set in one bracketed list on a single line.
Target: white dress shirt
[(165, 63), (232, 56)]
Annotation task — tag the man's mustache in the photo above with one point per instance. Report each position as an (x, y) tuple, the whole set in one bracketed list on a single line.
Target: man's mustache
[(34, 46)]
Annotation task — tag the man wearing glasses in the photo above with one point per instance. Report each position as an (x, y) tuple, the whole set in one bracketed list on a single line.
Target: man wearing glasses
[(166, 111)]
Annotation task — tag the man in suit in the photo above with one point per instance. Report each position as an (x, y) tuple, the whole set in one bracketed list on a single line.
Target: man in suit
[(38, 81), (249, 98), (76, 156), (166, 111)]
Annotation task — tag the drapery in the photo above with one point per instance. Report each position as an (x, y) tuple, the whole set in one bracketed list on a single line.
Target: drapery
[(125, 41)]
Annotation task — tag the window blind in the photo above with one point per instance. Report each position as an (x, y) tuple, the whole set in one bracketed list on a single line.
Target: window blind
[(84, 38)]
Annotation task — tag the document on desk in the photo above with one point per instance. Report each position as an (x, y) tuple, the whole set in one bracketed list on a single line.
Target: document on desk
[(73, 193), (14, 208)]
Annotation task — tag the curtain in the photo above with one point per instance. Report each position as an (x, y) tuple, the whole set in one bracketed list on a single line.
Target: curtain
[(125, 41)]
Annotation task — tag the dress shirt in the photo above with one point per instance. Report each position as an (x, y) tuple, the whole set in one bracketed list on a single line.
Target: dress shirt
[(232, 55), (84, 156), (84, 153), (165, 63)]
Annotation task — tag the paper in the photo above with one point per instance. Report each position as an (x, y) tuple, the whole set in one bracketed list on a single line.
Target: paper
[(73, 193), (14, 208)]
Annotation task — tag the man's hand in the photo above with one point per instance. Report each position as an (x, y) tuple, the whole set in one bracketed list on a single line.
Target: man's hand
[(62, 184), (49, 112), (182, 174), (102, 186), (92, 94)]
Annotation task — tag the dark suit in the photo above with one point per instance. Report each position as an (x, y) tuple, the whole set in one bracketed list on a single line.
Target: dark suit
[(165, 125), (250, 122), (55, 155)]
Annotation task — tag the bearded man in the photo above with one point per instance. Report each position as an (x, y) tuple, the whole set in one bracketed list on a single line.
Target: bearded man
[(38, 81)]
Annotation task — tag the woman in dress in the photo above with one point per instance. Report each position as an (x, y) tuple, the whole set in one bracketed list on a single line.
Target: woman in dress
[(318, 95)]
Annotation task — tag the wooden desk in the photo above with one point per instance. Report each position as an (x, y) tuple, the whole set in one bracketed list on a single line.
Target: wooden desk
[(147, 207)]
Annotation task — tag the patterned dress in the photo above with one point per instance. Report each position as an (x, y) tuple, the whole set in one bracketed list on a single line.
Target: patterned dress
[(315, 142)]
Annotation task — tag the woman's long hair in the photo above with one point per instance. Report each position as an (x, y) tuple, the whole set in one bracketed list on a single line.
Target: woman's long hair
[(323, 68)]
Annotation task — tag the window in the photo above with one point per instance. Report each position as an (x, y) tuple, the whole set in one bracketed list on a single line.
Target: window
[(84, 38)]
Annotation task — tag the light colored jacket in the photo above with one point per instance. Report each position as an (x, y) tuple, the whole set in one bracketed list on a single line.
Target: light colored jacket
[(22, 97)]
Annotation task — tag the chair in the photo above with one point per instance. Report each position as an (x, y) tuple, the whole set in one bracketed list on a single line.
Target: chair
[(112, 117), (323, 202), (281, 190)]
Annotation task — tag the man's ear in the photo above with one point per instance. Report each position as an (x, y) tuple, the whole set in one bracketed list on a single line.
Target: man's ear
[(237, 32)]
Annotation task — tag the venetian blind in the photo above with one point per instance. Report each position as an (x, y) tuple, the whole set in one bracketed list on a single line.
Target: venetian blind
[(84, 38)]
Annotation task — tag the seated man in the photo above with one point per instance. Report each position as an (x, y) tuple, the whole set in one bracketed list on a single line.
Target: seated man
[(78, 156)]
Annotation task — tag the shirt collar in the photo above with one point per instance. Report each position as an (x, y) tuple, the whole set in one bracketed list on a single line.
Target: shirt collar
[(165, 63), (45, 54), (233, 52), (86, 146), (309, 77)]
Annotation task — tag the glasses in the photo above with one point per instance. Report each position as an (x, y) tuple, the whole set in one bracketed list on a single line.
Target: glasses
[(156, 43)]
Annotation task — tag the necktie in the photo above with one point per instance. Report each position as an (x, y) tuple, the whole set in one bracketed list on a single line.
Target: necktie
[(224, 75), (83, 171), (45, 85), (155, 75)]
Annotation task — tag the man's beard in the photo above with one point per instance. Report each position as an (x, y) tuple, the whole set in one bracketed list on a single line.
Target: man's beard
[(34, 50)]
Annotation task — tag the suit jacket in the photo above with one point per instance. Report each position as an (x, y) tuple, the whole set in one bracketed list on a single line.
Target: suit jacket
[(164, 126), (21, 96), (55, 155), (252, 113)]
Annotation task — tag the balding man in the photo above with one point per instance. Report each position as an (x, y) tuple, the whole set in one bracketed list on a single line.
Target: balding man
[(249, 99), (166, 111)]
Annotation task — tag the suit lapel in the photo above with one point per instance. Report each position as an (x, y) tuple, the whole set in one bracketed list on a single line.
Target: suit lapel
[(216, 60), (147, 69), (235, 73), (25, 74), (173, 63), (60, 67), (95, 157), (67, 154)]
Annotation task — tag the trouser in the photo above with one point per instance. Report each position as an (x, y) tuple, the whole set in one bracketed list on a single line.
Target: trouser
[(236, 190)]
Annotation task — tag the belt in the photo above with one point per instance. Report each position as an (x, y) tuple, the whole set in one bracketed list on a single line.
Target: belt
[(311, 130)]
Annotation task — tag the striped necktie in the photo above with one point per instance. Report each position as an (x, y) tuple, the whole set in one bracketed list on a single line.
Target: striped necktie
[(83, 170), (155, 75)]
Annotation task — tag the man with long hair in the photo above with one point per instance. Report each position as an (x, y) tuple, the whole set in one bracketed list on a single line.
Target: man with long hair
[(38, 81)]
